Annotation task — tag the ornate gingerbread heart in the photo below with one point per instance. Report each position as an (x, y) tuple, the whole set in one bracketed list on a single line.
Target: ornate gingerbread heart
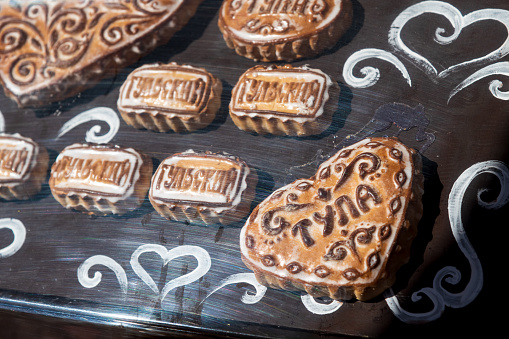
[(50, 50), (343, 232)]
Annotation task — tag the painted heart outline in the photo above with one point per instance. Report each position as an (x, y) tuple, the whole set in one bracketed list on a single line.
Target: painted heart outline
[(202, 256), (458, 22), (337, 229), (371, 75)]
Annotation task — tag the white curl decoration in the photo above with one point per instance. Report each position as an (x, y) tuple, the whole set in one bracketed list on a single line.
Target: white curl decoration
[(438, 294), (458, 190), (19, 231), (319, 308), (249, 278), (371, 74), (438, 7), (88, 282), (2, 122), (500, 68), (416, 318), (105, 114)]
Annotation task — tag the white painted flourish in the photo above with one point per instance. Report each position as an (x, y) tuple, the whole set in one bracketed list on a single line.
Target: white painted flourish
[(105, 114), (500, 68), (87, 282), (371, 74), (19, 231), (438, 294), (2, 122), (248, 278), (416, 318), (475, 283), (204, 264), (319, 308)]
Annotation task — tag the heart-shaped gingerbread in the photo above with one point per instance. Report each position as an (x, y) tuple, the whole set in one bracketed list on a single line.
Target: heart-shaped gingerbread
[(51, 50), (344, 232)]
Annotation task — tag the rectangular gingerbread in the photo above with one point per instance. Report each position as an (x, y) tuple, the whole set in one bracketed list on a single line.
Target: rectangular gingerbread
[(202, 187), (100, 179)]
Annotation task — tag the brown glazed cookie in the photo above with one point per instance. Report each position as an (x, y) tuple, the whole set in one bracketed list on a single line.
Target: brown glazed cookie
[(344, 232), (23, 167), (52, 50), (169, 97), (203, 188), (276, 30), (100, 179), (284, 100)]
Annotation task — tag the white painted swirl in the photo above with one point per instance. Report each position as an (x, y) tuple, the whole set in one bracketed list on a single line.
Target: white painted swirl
[(500, 68), (2, 123), (105, 114), (319, 308), (502, 16), (249, 278), (201, 255), (416, 318), (18, 230), (370, 74), (88, 282), (438, 294), (451, 274)]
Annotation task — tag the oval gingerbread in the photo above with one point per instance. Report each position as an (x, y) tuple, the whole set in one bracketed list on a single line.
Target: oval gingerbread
[(275, 30)]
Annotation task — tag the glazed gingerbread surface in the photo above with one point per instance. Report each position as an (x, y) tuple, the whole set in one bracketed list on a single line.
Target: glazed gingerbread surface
[(284, 100), (283, 30), (200, 179), (164, 97), (297, 93), (203, 188), (17, 155), (109, 172), (167, 89)]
